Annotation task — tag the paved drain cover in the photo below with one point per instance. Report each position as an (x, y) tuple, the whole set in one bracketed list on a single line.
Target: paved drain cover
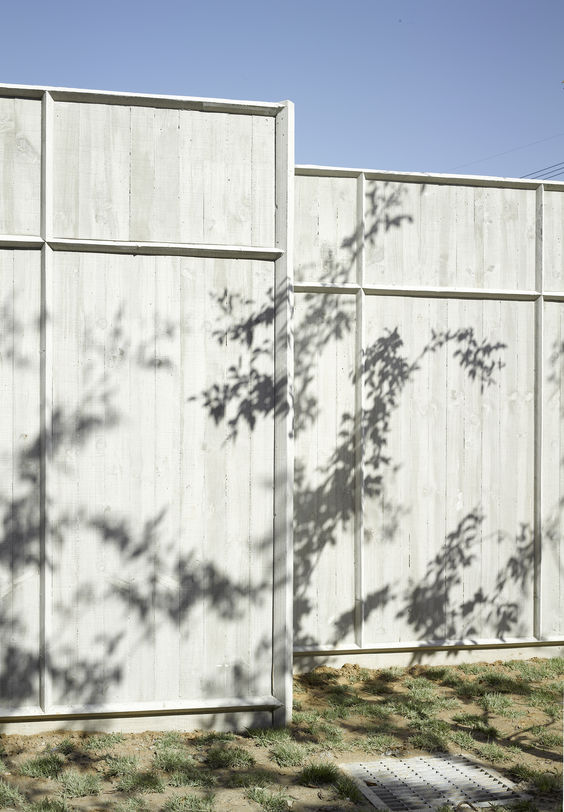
[(428, 782)]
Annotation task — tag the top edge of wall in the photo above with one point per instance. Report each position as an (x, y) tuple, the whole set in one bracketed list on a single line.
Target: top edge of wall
[(256, 108), (428, 177)]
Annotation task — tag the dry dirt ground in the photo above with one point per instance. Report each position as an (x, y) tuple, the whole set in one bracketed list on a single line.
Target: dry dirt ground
[(503, 715)]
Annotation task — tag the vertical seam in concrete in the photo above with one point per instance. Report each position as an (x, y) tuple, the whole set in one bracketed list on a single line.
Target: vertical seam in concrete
[(538, 412)]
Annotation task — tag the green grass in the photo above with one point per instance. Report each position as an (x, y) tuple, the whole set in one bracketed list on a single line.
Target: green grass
[(491, 751), (66, 747), (429, 741), (318, 774), (347, 788), (140, 781), (288, 754), (223, 756), (77, 785), (463, 739), (269, 734), (546, 739), (504, 683), (267, 800), (478, 724), (378, 742), (541, 780), (170, 760), (48, 805), (192, 775), (189, 803), (132, 805), (501, 704), (103, 741), (119, 765), (472, 668), (323, 773), (170, 739), (251, 778), (10, 796), (213, 737), (47, 766)]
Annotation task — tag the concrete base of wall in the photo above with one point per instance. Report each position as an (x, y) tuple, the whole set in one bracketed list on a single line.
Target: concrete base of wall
[(232, 721), (306, 662)]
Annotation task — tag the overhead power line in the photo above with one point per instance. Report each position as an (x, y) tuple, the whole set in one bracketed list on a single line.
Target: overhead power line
[(507, 151), (552, 168), (552, 176)]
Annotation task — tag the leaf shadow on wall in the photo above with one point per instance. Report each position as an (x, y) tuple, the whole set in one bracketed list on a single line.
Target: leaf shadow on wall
[(155, 580)]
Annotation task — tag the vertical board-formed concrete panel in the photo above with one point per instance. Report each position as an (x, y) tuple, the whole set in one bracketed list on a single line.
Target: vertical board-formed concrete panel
[(438, 235), (324, 496), (326, 229), (149, 174), (447, 406), (163, 513), (146, 398), (20, 166), (553, 240), (448, 532), (552, 564), (20, 515)]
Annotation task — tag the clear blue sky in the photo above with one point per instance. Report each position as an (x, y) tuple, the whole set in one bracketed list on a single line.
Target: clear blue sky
[(422, 85)]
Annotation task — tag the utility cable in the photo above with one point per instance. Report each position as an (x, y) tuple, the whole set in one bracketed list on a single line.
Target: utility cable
[(544, 169), (507, 151)]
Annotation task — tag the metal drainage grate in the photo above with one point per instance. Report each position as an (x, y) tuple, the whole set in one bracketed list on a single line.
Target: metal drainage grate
[(424, 783)]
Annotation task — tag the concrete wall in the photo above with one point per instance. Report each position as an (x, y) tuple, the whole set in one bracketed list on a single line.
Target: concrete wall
[(141, 569), (148, 511), (429, 425)]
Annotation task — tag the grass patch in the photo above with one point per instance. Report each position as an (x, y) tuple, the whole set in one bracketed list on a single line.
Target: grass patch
[(429, 741), (170, 760), (501, 704), (66, 747), (269, 734), (347, 788), (545, 739), (170, 739), (252, 778), (318, 774), (478, 724), (140, 781), (103, 741), (504, 683), (10, 796), (47, 766), (541, 780), (48, 805), (213, 737), (132, 805), (463, 739), (491, 751), (379, 742), (192, 775), (119, 765), (267, 800), (288, 754), (189, 803), (323, 773), (392, 674), (78, 785), (222, 756)]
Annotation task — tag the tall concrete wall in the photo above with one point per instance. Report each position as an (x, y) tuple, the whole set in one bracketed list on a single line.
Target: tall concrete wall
[(141, 569), (428, 471), (149, 502)]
